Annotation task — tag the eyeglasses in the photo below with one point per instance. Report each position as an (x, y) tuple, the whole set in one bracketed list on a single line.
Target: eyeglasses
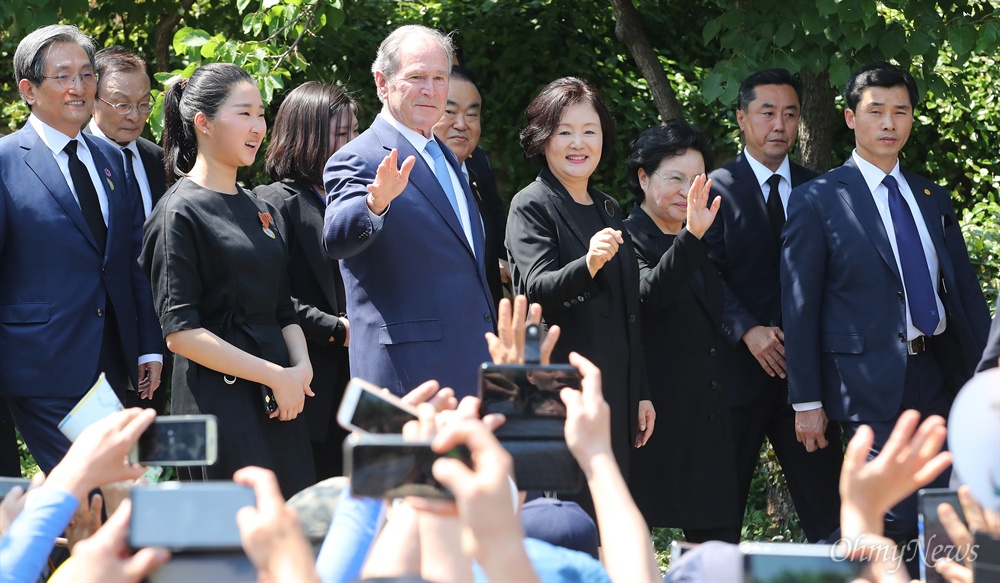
[(126, 108), (675, 179), (66, 80)]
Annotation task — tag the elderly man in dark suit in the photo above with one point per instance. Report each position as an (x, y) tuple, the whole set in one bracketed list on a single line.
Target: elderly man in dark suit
[(745, 245), (73, 301), (882, 309), (409, 237), (120, 113)]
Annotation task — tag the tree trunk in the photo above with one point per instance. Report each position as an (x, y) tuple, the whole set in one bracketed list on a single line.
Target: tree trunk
[(629, 30), (816, 122), (163, 36)]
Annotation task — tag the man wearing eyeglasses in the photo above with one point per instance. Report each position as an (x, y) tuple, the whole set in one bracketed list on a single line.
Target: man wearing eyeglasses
[(73, 301), (120, 114), (745, 243)]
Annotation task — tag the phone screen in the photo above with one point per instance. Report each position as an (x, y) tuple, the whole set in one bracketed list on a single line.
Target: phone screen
[(935, 544), (377, 415), (526, 390), (778, 568), (194, 515), (7, 484), (175, 440), (395, 470)]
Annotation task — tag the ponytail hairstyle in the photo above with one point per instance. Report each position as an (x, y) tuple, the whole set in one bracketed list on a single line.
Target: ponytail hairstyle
[(206, 90)]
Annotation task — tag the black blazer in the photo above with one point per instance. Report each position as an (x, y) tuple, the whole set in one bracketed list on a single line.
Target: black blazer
[(992, 352), (317, 293), (687, 361), (748, 257), (548, 263), (491, 209), (152, 162)]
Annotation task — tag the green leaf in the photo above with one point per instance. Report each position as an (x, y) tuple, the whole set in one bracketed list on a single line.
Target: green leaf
[(711, 30), (784, 34), (712, 87), (919, 43), (241, 5), (270, 3), (962, 39), (892, 41)]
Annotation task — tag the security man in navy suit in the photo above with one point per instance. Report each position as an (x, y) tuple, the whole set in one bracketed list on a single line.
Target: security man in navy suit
[(73, 301), (882, 309), (745, 244)]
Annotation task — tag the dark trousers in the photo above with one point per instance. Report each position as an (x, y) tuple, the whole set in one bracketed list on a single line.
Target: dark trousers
[(10, 462), (923, 390), (813, 478)]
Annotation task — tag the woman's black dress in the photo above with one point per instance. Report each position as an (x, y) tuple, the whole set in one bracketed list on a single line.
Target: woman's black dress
[(688, 477), (212, 266)]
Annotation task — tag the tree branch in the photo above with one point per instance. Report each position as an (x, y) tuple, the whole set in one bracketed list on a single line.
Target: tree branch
[(629, 30)]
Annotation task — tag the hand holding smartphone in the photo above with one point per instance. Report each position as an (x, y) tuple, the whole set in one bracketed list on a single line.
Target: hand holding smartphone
[(386, 466), (178, 440), (188, 516), (366, 408)]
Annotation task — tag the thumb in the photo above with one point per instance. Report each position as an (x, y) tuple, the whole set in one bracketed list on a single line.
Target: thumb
[(144, 562)]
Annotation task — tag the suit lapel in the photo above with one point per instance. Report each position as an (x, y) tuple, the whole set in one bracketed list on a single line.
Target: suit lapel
[(39, 159), (923, 193), (560, 198), (116, 188), (156, 175), (754, 203), (310, 212), (854, 190)]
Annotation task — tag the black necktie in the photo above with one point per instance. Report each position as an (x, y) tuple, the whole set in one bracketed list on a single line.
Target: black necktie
[(130, 171), (87, 195), (775, 211)]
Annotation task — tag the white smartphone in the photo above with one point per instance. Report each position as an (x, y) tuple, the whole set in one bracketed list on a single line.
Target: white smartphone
[(366, 408), (178, 440)]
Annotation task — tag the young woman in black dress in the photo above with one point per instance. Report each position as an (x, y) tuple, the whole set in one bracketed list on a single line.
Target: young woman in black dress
[(217, 263)]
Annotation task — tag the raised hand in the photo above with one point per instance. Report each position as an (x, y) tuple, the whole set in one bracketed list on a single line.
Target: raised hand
[(390, 181), (701, 215), (603, 246)]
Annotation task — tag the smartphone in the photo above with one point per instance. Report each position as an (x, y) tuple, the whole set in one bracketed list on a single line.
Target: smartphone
[(178, 440), (366, 408), (534, 430), (935, 544), (385, 466), (778, 562), (8, 483), (186, 516)]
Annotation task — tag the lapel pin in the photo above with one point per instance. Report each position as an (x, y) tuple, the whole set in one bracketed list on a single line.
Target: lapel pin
[(265, 220), (927, 191), (107, 172), (609, 207), (111, 185)]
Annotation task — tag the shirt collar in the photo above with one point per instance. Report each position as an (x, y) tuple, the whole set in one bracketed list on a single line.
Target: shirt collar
[(874, 175), (95, 130), (54, 139), (763, 173), (416, 139)]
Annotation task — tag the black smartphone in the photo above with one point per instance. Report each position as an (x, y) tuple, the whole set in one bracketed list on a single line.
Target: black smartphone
[(178, 440), (780, 562), (385, 466), (188, 516), (368, 409), (534, 430), (8, 483), (935, 544), (267, 398)]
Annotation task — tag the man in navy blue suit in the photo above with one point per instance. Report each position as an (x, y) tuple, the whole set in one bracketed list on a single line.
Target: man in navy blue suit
[(409, 237), (73, 301), (882, 309), (745, 244)]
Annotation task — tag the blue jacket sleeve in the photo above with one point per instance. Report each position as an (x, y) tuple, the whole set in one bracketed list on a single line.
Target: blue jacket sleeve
[(26, 548), (356, 521)]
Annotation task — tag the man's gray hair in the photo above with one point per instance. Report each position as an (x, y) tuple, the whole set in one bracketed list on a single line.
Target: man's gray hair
[(29, 58), (388, 58)]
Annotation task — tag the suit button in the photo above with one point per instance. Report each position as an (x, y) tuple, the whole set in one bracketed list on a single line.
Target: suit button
[(587, 295), (631, 318), (100, 313), (899, 294), (579, 298), (104, 270), (714, 385), (567, 304), (711, 352), (487, 317), (902, 336), (711, 417)]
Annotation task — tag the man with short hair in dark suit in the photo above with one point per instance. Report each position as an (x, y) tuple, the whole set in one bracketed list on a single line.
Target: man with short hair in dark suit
[(120, 113), (883, 311), (745, 243), (73, 301), (402, 220)]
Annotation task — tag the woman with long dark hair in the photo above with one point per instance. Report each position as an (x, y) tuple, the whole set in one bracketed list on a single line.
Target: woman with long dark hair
[(217, 262), (314, 121)]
